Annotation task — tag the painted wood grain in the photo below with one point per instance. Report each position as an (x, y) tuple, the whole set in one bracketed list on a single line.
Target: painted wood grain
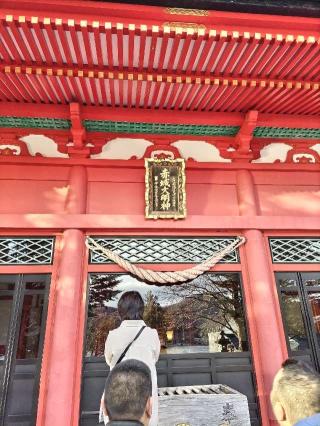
[(212, 405)]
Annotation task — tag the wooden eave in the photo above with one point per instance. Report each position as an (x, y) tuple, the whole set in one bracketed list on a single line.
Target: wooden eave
[(152, 58)]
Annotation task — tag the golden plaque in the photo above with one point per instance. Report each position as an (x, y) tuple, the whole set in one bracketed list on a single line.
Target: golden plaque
[(165, 188)]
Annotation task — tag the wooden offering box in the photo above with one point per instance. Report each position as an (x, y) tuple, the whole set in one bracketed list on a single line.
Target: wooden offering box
[(207, 405)]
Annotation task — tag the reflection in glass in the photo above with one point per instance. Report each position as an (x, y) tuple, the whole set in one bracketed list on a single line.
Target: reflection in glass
[(314, 299), (30, 326), (7, 286), (287, 283), (202, 315), (312, 283), (5, 312), (293, 317), (37, 285), (1, 376)]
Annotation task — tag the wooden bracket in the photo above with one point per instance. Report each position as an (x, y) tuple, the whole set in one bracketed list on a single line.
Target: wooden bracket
[(78, 132), (244, 138)]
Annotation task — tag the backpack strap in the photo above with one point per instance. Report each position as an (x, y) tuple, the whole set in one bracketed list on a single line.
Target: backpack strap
[(129, 345)]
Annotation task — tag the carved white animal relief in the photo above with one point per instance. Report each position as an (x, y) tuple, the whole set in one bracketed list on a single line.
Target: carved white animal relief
[(309, 157), (123, 149), (272, 152), (199, 151), (16, 150), (316, 148), (40, 144)]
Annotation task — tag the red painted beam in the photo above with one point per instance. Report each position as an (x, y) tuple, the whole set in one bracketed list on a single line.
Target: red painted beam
[(139, 164), (238, 95), (215, 52), (278, 56), (185, 78), (141, 14), (310, 99), (75, 43), (195, 54), (49, 29), (277, 93), (291, 53), (219, 94), (192, 95), (11, 86), (203, 90), (244, 96), (250, 48), (137, 222), (149, 116), (173, 53), (181, 99), (142, 47), (42, 41), (19, 41), (60, 96), (259, 53), (245, 134), (184, 51), (312, 68), (300, 66), (224, 101), (35, 82), (9, 43)]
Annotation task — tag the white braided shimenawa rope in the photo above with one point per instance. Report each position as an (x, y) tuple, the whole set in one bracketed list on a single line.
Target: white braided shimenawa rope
[(164, 277)]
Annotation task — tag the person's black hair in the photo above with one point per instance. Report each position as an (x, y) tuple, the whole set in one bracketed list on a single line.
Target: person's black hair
[(289, 361), (127, 390), (303, 365), (131, 306)]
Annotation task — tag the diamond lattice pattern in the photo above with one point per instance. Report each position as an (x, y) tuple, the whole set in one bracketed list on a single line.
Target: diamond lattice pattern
[(164, 250), (295, 250), (27, 251)]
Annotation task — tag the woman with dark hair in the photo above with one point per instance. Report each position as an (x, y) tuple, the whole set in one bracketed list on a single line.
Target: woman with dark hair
[(134, 340)]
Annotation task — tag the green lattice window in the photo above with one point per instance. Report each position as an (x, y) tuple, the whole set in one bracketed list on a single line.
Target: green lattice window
[(286, 132), (36, 122), (155, 128), (159, 128)]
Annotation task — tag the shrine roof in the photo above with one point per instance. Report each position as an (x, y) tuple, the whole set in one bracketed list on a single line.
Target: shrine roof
[(309, 8), (155, 58)]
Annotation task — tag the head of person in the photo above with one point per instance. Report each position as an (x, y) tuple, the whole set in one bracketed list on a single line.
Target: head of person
[(131, 306), (295, 393), (128, 392)]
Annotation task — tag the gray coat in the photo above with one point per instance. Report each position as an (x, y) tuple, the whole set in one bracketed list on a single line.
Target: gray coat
[(124, 423), (310, 421)]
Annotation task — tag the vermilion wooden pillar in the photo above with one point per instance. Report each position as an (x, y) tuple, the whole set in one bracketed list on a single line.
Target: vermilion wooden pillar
[(266, 330), (60, 384)]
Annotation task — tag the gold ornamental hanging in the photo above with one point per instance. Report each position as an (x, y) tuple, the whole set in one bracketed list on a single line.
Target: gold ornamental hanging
[(165, 193)]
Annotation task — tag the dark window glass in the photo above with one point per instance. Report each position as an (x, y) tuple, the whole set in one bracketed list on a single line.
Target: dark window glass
[(285, 282), (294, 321), (311, 279), (35, 285), (312, 283), (7, 286), (5, 314), (314, 300), (30, 326), (203, 315)]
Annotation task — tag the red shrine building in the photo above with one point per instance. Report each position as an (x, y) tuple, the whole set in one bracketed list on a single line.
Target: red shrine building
[(88, 91)]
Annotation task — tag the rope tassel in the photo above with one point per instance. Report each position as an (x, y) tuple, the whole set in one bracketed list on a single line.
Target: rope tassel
[(165, 277)]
